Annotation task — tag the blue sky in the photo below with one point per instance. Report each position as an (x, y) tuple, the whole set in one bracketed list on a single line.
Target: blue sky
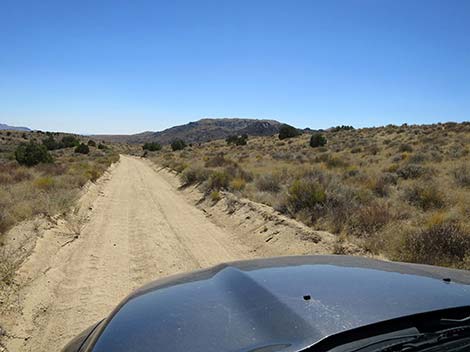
[(98, 66)]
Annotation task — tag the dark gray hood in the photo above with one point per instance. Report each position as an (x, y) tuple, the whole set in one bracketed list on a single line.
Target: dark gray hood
[(285, 303)]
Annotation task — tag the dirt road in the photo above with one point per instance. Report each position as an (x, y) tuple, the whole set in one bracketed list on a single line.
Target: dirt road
[(134, 227)]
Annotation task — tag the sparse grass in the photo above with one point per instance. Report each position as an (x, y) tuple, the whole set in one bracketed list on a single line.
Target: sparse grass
[(380, 185)]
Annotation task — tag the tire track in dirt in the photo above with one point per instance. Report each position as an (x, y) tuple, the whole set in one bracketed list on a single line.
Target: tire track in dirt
[(139, 229)]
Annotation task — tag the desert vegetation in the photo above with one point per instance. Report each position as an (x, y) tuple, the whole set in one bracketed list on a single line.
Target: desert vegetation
[(401, 192), (41, 173)]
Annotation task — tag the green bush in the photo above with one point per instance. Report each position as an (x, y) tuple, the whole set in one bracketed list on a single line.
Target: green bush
[(178, 144), (102, 146), (342, 128), (288, 131), (305, 194), (31, 154), (50, 143), (82, 148), (152, 146), (91, 143), (317, 140), (69, 142), (237, 140)]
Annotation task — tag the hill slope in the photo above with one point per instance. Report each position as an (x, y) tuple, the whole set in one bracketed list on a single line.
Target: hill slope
[(202, 131), (13, 128)]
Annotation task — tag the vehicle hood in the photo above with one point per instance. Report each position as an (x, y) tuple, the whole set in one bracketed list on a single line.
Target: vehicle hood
[(285, 303)]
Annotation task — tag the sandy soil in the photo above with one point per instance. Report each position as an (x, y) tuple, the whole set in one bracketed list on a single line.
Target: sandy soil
[(131, 227)]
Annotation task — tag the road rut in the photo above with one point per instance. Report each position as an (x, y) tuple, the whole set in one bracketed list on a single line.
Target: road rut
[(137, 228)]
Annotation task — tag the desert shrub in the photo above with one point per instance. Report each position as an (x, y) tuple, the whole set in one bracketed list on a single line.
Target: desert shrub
[(288, 131), (342, 128), (237, 184), (461, 175), (340, 205), (194, 174), (404, 147), (305, 194), (380, 185), (411, 171), (317, 140), (373, 149), (335, 162), (417, 158), (441, 244), (368, 219), (91, 143), (457, 151), (178, 144), (51, 143), (218, 160), (356, 150), (69, 142), (152, 146), (236, 170), (351, 171), (82, 148), (102, 146), (268, 183), (219, 180), (425, 196), (237, 140), (31, 154)]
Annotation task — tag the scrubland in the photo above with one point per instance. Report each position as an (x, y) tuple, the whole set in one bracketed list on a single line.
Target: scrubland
[(400, 192), (47, 188)]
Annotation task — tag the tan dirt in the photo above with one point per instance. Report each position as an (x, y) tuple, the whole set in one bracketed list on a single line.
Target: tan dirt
[(131, 227)]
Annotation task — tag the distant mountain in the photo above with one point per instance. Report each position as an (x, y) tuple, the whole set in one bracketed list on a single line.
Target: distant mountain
[(13, 128), (201, 131)]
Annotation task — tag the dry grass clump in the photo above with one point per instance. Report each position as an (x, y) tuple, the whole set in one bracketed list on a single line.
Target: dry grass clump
[(378, 186)]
